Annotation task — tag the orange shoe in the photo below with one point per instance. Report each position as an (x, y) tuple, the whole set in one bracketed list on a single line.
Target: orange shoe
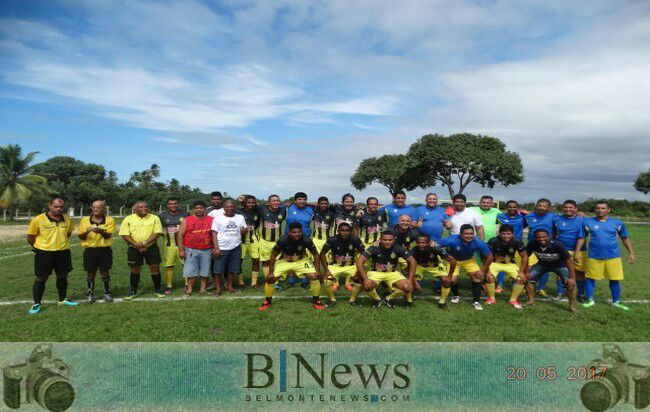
[(335, 287), (498, 289), (515, 304), (349, 287), (316, 305), (265, 306), (490, 301)]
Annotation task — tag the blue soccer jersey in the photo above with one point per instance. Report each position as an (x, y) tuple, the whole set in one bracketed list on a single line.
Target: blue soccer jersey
[(536, 222), (569, 230), (432, 221), (304, 216), (462, 250), (603, 237), (393, 212), (517, 221)]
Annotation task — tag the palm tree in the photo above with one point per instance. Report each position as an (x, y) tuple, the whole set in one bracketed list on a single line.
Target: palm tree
[(16, 181)]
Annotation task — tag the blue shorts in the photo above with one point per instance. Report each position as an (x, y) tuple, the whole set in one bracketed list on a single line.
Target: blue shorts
[(537, 270), (228, 262), (197, 263)]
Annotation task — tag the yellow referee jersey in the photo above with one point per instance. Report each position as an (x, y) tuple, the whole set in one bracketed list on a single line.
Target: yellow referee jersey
[(140, 228), (51, 235), (95, 239)]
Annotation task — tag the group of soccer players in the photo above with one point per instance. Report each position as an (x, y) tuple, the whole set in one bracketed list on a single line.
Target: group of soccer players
[(385, 251)]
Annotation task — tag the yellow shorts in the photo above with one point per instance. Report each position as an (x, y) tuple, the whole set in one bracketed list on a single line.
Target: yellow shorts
[(299, 268), (582, 266), (318, 243), (468, 266), (336, 270), (386, 277), (170, 256), (402, 265), (532, 259), (611, 269), (434, 271), (265, 248), (510, 269), (250, 249)]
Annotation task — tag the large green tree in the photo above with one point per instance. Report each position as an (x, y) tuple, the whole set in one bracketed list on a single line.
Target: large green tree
[(458, 160), (642, 182), (392, 171), (18, 183)]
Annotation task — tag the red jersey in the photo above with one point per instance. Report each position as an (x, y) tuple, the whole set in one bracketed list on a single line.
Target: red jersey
[(198, 232)]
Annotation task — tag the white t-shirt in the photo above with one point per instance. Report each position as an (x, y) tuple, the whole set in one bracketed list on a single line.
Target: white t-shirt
[(216, 212), (228, 230), (466, 217)]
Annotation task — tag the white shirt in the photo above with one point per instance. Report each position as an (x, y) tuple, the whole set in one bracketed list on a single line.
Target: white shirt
[(216, 212), (228, 230), (466, 217)]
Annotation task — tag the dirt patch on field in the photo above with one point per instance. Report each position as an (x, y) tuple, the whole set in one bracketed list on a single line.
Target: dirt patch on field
[(10, 233)]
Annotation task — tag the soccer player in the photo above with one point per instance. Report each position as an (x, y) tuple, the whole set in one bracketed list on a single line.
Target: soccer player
[(323, 223), (96, 234), (542, 218), (568, 229), (272, 217), (428, 261), (195, 247), (604, 255), (463, 247), (49, 236), (552, 257), (344, 248), (292, 249), (371, 223), (505, 248), (227, 231), (431, 219), (512, 217), (383, 260), (346, 212), (171, 220), (488, 216), (405, 233), (140, 231), (299, 211), (250, 240), (397, 209), (465, 216), (216, 204)]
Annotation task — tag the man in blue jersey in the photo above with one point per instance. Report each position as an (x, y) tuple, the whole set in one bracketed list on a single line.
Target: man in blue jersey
[(462, 248), (542, 218), (604, 255), (568, 229), (512, 217), (397, 209), (431, 219), (299, 211)]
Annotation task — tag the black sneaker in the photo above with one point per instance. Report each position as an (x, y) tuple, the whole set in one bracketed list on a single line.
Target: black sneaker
[(377, 303), (331, 304), (90, 298), (108, 298), (443, 306), (582, 299), (389, 304)]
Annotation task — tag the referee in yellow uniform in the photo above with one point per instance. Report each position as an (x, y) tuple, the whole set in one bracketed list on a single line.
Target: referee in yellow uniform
[(96, 234), (49, 235), (141, 231)]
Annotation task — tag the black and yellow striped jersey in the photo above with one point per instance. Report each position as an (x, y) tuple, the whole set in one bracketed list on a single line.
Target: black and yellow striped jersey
[(271, 223), (344, 215), (370, 226), (252, 218), (323, 221)]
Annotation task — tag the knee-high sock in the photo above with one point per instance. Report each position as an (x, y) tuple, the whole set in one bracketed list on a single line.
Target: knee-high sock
[(590, 286), (169, 275), (396, 294), (107, 284), (135, 281), (240, 278), (443, 294), (268, 291), (374, 295), (155, 278), (356, 289), (516, 291), (90, 284), (476, 291), (543, 280), (454, 290), (615, 288), (560, 287), (314, 286), (409, 297), (62, 287), (254, 274), (38, 289), (329, 289), (500, 278), (580, 283), (489, 287)]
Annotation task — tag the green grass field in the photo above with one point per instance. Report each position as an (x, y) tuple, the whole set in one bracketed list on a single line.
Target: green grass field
[(237, 319)]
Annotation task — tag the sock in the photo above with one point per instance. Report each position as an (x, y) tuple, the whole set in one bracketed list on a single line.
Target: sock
[(490, 290), (240, 278), (454, 290), (265, 270), (314, 286), (543, 280), (268, 290), (356, 289), (590, 286), (396, 294), (90, 285), (329, 290), (135, 281), (37, 290), (409, 297), (516, 291), (107, 285), (62, 287), (476, 291), (169, 275), (560, 287), (443, 294), (615, 288), (500, 278), (156, 279), (581, 287), (254, 274), (374, 295)]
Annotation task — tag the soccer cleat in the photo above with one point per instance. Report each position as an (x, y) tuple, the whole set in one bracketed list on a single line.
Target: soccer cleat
[(477, 306), (90, 298), (168, 291), (67, 302), (582, 299), (335, 287), (331, 304), (589, 303), (108, 298), (132, 295), (620, 306), (490, 301), (349, 287), (317, 305), (389, 304), (498, 289), (455, 299), (264, 306), (443, 306), (36, 308), (377, 303), (515, 304), (159, 293), (542, 293)]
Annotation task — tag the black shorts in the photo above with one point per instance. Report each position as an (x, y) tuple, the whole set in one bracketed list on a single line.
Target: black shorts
[(46, 261), (98, 258), (151, 256)]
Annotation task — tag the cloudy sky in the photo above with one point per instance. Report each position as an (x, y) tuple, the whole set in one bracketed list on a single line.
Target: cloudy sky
[(280, 96)]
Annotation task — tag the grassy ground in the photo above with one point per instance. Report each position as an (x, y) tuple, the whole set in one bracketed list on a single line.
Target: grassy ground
[(205, 319)]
